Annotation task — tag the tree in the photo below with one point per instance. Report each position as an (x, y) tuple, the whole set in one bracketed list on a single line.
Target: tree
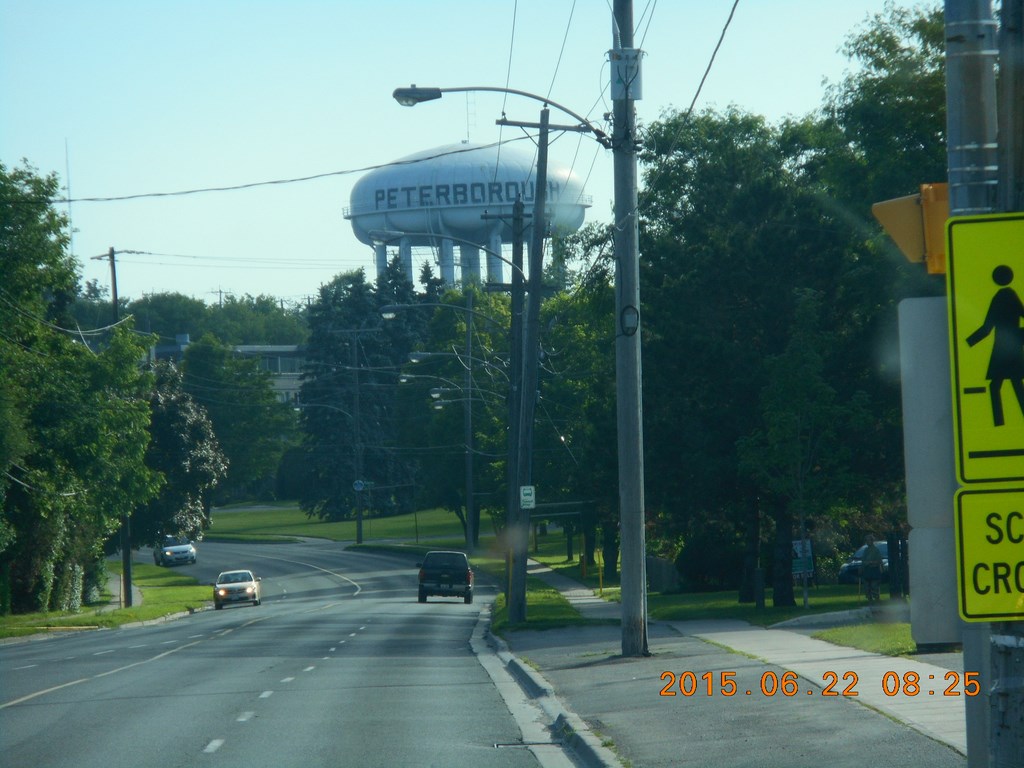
[(74, 420), (347, 401), (800, 457), (251, 425), (882, 131), (739, 220), (234, 320), (442, 469), (184, 451), (576, 458)]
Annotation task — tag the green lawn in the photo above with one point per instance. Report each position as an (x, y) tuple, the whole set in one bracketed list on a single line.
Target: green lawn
[(887, 639), (164, 592), (284, 521)]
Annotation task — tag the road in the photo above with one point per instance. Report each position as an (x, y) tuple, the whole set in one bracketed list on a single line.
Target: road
[(339, 666)]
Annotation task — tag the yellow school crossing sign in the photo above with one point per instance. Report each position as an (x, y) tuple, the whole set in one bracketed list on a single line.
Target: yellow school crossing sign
[(985, 281), (989, 527)]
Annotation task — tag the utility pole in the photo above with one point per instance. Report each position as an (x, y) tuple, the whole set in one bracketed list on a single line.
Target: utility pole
[(358, 486), (515, 343), (529, 383), (357, 434), (1006, 698), (472, 519), (984, 136), (626, 87), (126, 523)]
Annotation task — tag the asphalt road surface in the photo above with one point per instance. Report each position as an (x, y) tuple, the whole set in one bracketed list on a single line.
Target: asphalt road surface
[(339, 666)]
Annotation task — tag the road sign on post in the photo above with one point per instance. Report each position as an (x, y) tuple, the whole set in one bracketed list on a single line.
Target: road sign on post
[(985, 281), (989, 527), (527, 497)]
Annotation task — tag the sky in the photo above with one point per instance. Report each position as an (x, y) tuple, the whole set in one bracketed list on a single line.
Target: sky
[(125, 98)]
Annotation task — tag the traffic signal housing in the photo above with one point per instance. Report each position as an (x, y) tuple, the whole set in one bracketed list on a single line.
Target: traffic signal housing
[(917, 224)]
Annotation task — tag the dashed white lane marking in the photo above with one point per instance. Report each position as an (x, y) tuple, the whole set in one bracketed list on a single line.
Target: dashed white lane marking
[(333, 650), (103, 653), (168, 642), (246, 716), (266, 694), (213, 746), (352, 635), (309, 669), (287, 679), (27, 666)]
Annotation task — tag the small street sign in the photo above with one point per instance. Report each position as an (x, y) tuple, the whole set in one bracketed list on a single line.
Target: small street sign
[(527, 497)]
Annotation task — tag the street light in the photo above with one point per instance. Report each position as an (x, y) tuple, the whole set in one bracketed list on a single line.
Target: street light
[(390, 311), (528, 391), (302, 405), (411, 96)]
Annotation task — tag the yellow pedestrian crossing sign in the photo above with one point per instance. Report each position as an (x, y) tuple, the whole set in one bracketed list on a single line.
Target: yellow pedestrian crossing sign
[(985, 282)]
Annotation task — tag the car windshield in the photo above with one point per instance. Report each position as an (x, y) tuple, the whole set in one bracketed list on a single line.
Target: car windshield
[(234, 577), (175, 541)]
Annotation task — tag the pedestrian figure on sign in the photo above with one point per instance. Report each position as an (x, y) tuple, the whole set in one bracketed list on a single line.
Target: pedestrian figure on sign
[(1006, 362)]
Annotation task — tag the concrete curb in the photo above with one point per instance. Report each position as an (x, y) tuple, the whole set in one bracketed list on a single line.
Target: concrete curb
[(565, 726)]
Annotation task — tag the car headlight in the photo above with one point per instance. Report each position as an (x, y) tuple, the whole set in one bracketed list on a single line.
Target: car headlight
[(168, 552), (250, 590), (222, 592)]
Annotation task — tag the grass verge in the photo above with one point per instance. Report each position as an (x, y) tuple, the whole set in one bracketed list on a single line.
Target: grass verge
[(887, 639), (164, 592), (545, 609)]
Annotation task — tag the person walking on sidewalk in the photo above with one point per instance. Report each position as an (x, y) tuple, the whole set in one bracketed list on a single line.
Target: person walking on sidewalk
[(871, 569)]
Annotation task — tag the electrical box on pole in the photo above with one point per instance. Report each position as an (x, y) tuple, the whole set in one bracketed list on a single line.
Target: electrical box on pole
[(627, 80)]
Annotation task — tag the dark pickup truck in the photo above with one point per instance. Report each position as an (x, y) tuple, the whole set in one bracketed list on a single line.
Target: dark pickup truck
[(447, 574)]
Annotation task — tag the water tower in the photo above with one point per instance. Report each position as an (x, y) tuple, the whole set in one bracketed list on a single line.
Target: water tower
[(436, 200)]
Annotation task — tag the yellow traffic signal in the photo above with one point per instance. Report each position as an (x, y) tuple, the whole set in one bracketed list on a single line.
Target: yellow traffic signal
[(917, 224)]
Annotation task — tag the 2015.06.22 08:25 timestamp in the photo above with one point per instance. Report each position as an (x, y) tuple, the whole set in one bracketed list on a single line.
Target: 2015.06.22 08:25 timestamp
[(833, 684)]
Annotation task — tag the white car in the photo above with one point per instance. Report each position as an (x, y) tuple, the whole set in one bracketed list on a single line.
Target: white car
[(174, 550), (236, 587)]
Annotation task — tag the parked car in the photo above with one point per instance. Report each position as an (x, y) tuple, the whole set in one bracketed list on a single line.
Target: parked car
[(174, 550), (236, 587), (447, 574), (849, 572)]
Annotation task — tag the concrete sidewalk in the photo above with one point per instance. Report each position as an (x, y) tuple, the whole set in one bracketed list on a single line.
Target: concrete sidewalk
[(883, 684), (114, 586)]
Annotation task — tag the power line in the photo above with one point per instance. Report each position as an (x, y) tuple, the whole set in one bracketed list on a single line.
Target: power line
[(254, 184)]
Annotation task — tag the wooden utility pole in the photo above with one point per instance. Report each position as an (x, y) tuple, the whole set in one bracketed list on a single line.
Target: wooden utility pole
[(626, 87), (528, 386), (126, 523)]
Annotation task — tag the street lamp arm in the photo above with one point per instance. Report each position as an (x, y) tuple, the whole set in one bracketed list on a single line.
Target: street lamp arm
[(390, 311), (419, 357), (411, 96), (303, 404)]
